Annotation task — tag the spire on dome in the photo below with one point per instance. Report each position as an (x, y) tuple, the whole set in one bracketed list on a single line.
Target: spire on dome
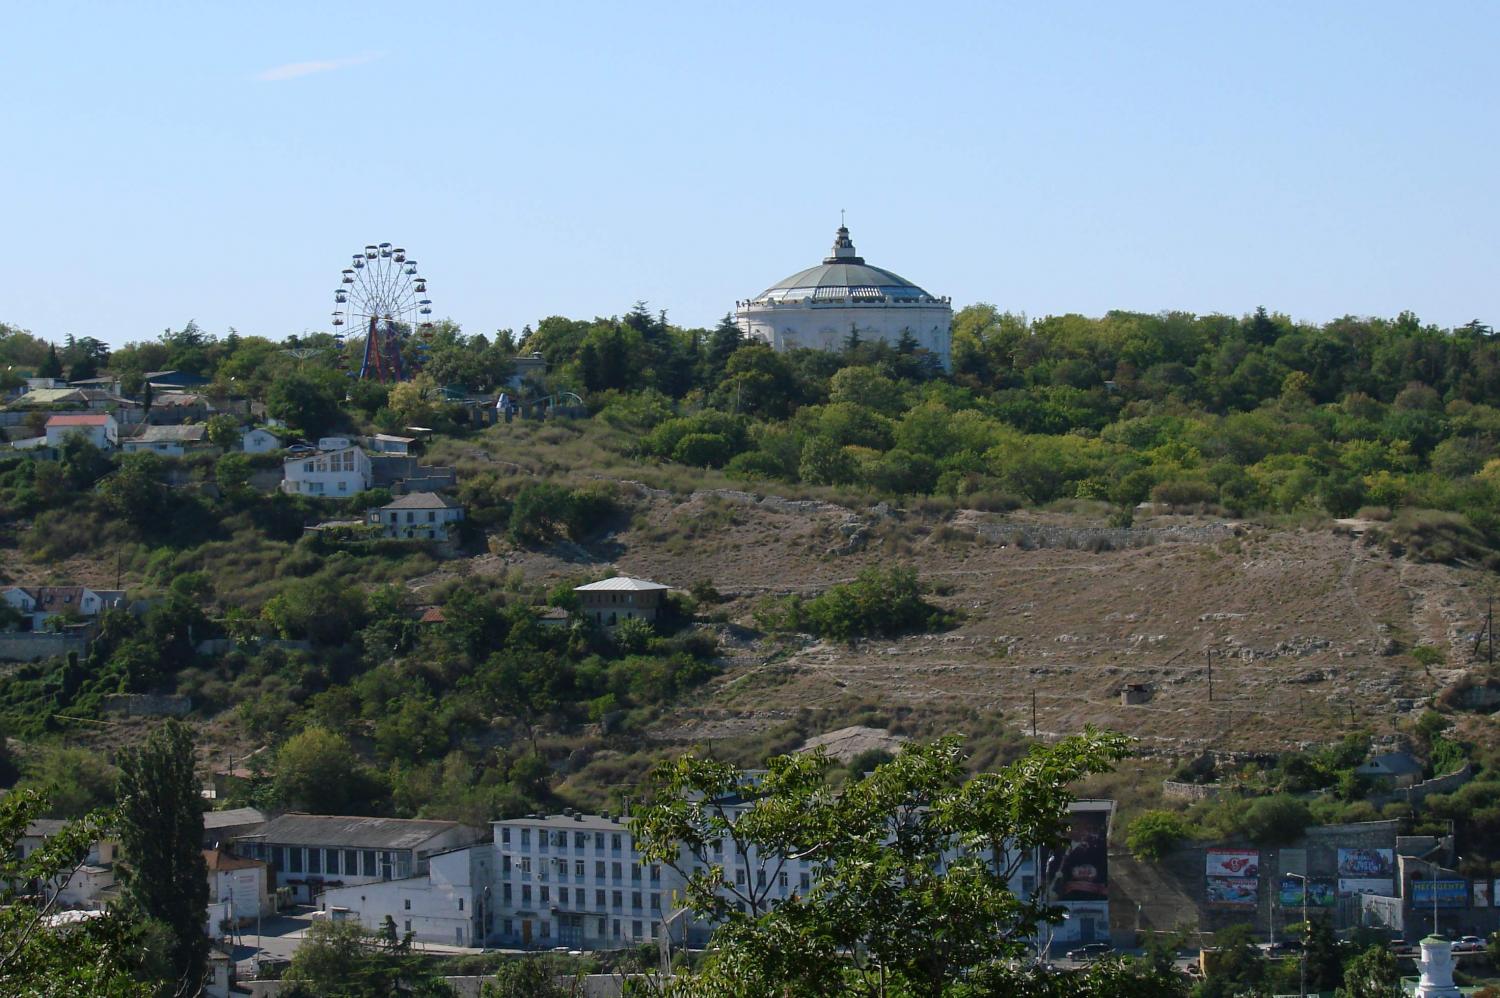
[(843, 246)]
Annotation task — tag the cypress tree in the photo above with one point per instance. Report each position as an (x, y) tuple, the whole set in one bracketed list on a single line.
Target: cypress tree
[(161, 836)]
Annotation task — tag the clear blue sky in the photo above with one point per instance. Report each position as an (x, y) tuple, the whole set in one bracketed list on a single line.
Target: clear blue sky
[(221, 161)]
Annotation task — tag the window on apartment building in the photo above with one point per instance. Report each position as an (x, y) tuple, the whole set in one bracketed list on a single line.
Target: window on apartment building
[(351, 862), (614, 841), (545, 896), (505, 895), (562, 895), (408, 926), (580, 840), (718, 848), (460, 904), (739, 877), (308, 466), (635, 929), (655, 873), (601, 928), (525, 838), (635, 873), (314, 861), (367, 864), (578, 868), (616, 927), (505, 836), (406, 903), (599, 869), (293, 859), (655, 901), (525, 893), (546, 928), (525, 866), (505, 926), (599, 899), (635, 900), (616, 900), (805, 880), (781, 880)]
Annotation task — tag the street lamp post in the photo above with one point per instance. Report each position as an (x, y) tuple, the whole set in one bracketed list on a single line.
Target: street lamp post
[(1306, 937)]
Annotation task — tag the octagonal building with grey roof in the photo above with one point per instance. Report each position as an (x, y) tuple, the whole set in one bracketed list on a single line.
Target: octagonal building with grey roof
[(821, 307)]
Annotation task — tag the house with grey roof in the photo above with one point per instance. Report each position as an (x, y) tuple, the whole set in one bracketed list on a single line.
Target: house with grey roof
[(1401, 768), (418, 516), (613, 601), (310, 853), (169, 441)]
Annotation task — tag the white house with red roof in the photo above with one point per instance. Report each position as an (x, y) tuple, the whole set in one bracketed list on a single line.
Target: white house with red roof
[(99, 428)]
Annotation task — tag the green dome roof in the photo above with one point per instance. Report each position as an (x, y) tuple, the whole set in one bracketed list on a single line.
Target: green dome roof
[(844, 275)]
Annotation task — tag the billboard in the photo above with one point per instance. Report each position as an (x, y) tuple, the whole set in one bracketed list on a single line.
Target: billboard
[(1450, 893), (1233, 863), (1367, 885), (1481, 893), (1321, 892), (1232, 892), (1081, 871), (1367, 864)]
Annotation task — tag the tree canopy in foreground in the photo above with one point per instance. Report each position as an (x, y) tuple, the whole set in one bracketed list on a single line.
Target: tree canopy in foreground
[(913, 892)]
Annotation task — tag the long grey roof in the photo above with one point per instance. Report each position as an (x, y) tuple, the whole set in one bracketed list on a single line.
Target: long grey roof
[(564, 822), (185, 433), (233, 816), (352, 832)]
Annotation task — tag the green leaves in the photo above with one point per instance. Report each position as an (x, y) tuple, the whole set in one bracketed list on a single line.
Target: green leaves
[(913, 865)]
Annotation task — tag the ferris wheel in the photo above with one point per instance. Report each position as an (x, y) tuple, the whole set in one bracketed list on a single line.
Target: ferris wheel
[(385, 299)]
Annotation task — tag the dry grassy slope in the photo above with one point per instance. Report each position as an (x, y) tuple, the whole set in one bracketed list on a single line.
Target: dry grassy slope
[(1304, 624)]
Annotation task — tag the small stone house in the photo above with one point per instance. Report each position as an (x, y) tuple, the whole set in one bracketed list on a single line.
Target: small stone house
[(615, 600), (1401, 768), (418, 516)]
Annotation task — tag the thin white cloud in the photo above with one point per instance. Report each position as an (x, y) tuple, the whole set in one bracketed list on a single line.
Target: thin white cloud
[(293, 70)]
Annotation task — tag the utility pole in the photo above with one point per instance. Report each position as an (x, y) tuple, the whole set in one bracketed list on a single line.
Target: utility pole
[(1033, 713), (1208, 654)]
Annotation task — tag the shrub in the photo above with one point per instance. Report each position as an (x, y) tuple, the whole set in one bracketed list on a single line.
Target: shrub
[(1184, 492), (1275, 820), (703, 450), (1155, 833), (876, 603)]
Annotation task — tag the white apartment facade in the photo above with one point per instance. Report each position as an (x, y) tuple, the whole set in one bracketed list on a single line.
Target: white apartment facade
[(450, 903), (98, 428), (337, 469)]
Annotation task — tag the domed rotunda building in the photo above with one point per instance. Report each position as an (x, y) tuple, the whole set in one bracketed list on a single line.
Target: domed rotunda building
[(821, 306)]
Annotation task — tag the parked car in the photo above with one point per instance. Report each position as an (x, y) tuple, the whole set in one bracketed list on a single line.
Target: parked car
[(1469, 944), (1282, 947), (1089, 951)]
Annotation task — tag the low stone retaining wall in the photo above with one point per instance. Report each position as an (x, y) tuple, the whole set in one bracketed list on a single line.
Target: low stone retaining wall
[(30, 646), (147, 705)]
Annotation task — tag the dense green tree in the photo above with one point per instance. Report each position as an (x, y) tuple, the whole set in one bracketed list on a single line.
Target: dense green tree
[(885, 846), (319, 771), (135, 492), (51, 366), (1153, 834), (161, 835), (309, 403), (338, 960), (97, 959)]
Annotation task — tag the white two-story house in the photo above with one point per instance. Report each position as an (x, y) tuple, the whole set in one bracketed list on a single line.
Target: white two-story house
[(418, 515), (336, 469), (41, 602)]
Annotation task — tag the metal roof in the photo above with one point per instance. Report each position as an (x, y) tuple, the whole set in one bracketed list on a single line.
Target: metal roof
[(352, 832), (422, 500), (576, 822), (620, 583), (840, 276), (88, 419), (186, 433), (233, 816)]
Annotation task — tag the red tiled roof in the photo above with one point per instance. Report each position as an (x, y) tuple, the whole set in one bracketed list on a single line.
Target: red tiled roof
[(434, 616), (218, 859), (88, 419)]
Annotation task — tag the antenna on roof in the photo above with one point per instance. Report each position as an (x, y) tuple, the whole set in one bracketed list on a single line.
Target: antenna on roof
[(841, 218)]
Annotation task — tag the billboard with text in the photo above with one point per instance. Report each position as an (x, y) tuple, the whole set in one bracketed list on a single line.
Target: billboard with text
[(1233, 863), (1321, 892)]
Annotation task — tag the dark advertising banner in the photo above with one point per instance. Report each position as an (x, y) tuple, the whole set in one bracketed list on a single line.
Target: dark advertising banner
[(1450, 893), (1081, 871), (1321, 893)]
